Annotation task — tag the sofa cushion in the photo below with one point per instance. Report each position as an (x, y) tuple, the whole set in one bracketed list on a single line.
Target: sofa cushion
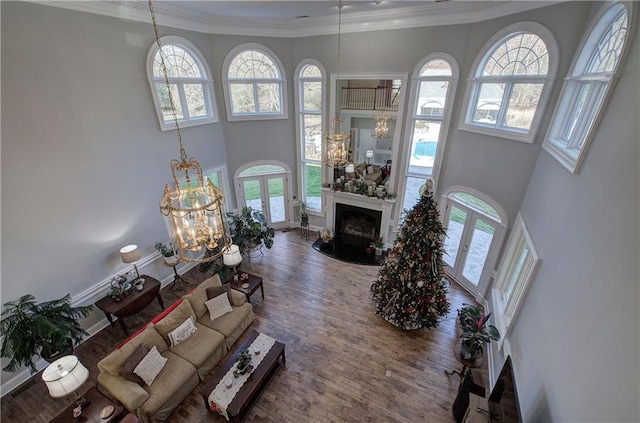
[(218, 306), (149, 337), (228, 323), (214, 291), (175, 318), (203, 350), (150, 366), (198, 296), (134, 359)]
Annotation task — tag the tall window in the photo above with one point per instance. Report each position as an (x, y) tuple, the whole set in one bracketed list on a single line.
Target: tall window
[(515, 275), (190, 81), (589, 85), (432, 92), (510, 83), (310, 101), (255, 85)]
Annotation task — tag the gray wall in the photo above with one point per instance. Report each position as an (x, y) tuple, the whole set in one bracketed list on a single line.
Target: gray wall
[(84, 165), (576, 343)]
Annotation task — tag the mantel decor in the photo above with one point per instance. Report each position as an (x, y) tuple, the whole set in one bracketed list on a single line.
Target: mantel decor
[(193, 210)]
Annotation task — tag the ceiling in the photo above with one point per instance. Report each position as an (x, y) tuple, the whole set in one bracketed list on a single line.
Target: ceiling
[(302, 18)]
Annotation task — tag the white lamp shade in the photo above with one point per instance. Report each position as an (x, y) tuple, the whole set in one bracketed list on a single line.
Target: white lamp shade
[(64, 376), (130, 254), (369, 154), (350, 168), (231, 257)]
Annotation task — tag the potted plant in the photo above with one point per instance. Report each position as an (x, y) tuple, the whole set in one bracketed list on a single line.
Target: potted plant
[(167, 251), (474, 331), (249, 230), (378, 244), (302, 212), (48, 330)]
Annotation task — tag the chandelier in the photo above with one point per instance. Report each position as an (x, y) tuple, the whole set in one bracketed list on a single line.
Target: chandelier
[(336, 141), (381, 129), (193, 210)]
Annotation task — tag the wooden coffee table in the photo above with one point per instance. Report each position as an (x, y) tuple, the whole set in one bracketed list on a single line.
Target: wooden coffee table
[(133, 303), (254, 282), (254, 386), (91, 412)]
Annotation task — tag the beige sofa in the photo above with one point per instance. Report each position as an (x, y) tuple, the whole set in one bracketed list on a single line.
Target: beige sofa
[(187, 363)]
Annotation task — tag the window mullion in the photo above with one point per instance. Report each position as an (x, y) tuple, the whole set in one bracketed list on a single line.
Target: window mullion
[(504, 105)]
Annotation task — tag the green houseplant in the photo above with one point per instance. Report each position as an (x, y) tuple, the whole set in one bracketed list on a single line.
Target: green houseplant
[(302, 212), (166, 251), (474, 331), (249, 229), (30, 329)]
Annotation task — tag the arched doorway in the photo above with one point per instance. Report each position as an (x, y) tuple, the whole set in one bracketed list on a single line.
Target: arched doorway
[(476, 226), (264, 186)]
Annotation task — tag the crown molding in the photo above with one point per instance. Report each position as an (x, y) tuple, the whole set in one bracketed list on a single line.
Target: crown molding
[(426, 14)]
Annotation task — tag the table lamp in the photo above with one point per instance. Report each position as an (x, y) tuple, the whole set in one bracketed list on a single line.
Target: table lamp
[(131, 254), (64, 376), (232, 258), (368, 154)]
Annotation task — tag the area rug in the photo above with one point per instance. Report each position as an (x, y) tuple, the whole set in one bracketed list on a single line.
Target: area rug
[(347, 252)]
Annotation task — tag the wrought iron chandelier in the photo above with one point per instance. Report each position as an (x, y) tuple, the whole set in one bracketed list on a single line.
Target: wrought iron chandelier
[(194, 210), (336, 141)]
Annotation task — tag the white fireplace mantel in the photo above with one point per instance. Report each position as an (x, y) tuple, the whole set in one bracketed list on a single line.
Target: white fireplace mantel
[(382, 205)]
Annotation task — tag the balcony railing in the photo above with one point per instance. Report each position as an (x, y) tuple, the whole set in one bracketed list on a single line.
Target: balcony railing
[(366, 98)]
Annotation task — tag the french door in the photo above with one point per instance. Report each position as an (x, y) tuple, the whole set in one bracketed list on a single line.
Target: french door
[(267, 193), (472, 243)]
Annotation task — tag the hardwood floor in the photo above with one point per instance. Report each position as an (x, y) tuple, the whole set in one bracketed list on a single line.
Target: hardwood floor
[(338, 350)]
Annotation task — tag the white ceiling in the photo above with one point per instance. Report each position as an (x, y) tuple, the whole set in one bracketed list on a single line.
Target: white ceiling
[(282, 18)]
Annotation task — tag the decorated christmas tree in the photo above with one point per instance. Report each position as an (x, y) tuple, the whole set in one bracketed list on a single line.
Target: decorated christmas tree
[(409, 292)]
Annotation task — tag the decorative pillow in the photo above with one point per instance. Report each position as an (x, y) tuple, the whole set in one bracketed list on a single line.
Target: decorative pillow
[(182, 332), (218, 306), (134, 359), (198, 296), (150, 366), (214, 291), (174, 319)]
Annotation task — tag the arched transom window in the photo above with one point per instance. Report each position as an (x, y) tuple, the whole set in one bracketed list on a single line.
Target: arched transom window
[(590, 83), (254, 84), (190, 82), (510, 82)]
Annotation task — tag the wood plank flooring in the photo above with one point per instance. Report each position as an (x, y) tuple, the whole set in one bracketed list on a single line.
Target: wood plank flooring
[(338, 351)]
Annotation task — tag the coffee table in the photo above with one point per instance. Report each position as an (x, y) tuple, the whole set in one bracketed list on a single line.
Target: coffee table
[(254, 282), (91, 412), (133, 303), (254, 386)]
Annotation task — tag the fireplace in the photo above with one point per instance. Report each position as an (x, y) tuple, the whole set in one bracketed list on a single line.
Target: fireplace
[(356, 226)]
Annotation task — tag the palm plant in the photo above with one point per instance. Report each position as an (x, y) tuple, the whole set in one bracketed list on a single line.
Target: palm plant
[(30, 330), (475, 332)]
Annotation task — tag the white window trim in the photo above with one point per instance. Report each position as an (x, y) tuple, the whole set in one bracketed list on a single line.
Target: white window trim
[(210, 96), (284, 99), (506, 313), (557, 148), (299, 128), (471, 92)]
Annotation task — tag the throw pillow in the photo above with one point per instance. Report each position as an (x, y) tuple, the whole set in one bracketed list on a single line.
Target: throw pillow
[(134, 359), (150, 366), (182, 332), (218, 306), (214, 291), (174, 319)]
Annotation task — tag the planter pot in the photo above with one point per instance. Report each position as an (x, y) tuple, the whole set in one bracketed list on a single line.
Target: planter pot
[(469, 354), (304, 218), (53, 356)]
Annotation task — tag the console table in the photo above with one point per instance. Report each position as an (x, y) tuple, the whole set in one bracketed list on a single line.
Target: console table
[(133, 303)]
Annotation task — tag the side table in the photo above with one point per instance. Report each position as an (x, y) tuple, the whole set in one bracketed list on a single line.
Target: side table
[(176, 278), (133, 303), (91, 412), (254, 282), (304, 230)]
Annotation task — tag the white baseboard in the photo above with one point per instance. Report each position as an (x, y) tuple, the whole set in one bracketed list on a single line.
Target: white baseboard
[(88, 296)]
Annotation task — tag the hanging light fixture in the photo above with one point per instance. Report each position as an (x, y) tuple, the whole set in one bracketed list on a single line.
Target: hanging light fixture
[(194, 210), (337, 140), (381, 129)]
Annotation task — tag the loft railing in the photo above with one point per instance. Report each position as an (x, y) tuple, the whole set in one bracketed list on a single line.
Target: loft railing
[(370, 98)]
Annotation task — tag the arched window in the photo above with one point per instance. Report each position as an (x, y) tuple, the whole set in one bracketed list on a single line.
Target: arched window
[(310, 104), (590, 83), (433, 89), (510, 82), (254, 84), (190, 81)]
